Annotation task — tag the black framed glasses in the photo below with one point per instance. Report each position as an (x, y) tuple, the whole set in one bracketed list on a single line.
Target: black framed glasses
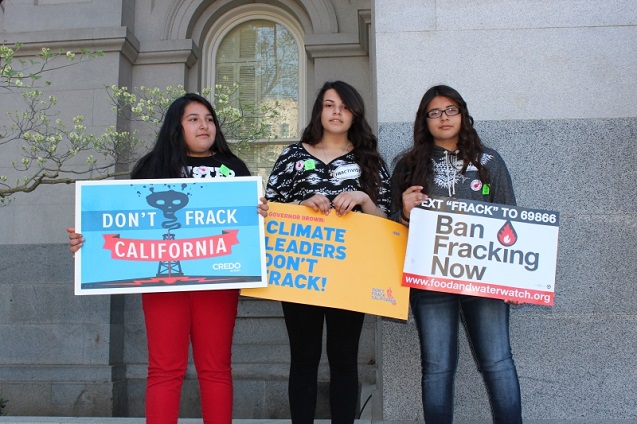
[(437, 113)]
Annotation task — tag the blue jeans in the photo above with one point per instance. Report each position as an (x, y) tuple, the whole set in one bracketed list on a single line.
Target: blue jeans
[(486, 322)]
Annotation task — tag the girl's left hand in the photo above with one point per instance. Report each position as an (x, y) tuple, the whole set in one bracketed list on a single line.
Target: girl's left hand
[(347, 200), (262, 208)]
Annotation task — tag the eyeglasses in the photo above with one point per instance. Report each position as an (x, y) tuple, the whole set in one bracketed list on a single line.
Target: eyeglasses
[(437, 113)]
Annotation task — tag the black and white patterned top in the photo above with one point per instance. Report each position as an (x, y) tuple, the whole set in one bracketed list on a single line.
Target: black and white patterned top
[(297, 175)]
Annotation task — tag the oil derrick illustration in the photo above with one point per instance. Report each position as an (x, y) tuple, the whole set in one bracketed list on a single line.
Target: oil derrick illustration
[(168, 202)]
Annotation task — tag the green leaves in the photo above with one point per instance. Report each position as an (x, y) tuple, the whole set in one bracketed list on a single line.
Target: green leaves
[(239, 122), (46, 143), (52, 151)]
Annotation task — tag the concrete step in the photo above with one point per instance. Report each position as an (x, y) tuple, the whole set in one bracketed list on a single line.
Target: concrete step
[(98, 420)]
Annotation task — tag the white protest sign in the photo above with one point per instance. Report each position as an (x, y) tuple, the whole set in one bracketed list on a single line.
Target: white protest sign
[(482, 249)]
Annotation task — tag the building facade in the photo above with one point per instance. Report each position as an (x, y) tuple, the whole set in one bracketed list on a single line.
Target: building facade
[(548, 83)]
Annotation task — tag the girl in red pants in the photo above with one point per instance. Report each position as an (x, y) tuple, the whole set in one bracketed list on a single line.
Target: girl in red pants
[(189, 139)]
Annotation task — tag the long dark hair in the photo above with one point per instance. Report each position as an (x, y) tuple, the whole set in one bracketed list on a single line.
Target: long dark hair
[(168, 157), (415, 164), (360, 134)]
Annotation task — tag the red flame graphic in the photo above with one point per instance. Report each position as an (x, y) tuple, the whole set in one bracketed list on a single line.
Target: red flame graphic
[(507, 235)]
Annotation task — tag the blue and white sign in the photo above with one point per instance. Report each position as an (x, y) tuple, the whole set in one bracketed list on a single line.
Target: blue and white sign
[(164, 235)]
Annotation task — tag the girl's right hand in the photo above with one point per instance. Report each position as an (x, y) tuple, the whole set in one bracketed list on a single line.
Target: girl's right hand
[(318, 202), (75, 240), (262, 207), (411, 197)]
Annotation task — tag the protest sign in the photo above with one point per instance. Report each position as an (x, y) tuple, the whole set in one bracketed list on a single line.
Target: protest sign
[(482, 249), (169, 235), (351, 262)]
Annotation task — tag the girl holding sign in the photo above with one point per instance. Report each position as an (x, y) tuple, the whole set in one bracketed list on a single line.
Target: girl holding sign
[(449, 160), (336, 166), (189, 144)]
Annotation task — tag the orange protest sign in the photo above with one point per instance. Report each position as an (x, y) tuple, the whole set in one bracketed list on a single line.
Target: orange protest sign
[(352, 262)]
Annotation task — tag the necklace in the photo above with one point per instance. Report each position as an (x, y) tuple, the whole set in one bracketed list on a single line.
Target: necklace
[(328, 162)]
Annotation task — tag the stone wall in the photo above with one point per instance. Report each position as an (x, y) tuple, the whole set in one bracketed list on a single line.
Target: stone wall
[(67, 355), (552, 92)]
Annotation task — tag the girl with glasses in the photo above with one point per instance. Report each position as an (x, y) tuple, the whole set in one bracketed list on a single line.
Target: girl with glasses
[(448, 159)]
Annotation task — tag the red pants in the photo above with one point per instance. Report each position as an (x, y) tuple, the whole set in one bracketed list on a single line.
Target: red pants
[(173, 320)]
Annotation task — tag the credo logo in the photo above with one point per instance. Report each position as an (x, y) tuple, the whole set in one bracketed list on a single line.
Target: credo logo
[(227, 266)]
